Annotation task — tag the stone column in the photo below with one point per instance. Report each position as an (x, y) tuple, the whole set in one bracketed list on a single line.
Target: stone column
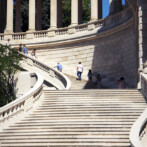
[(38, 14), (55, 14), (18, 16), (9, 21), (76, 12), (111, 7), (31, 15), (96, 10)]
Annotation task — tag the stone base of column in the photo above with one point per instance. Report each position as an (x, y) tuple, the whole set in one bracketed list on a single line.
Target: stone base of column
[(73, 24), (72, 31), (92, 20), (8, 32), (91, 27), (7, 36), (51, 34), (30, 34)]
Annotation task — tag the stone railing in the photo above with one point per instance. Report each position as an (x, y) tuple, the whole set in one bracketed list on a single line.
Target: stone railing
[(139, 128), (17, 109), (107, 23), (54, 77)]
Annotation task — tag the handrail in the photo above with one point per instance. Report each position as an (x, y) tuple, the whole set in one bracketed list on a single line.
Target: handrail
[(10, 112), (137, 130), (57, 77), (108, 22)]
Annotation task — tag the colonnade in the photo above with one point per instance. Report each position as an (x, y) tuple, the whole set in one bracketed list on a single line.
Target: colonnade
[(55, 13)]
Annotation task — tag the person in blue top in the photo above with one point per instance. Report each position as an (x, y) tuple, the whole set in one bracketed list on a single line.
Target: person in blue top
[(59, 67), (25, 50)]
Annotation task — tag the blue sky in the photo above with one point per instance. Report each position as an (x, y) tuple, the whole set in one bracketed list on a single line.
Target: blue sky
[(106, 7)]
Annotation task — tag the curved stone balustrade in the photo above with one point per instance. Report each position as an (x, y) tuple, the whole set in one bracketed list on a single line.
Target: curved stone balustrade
[(54, 77), (139, 129), (18, 108), (101, 25)]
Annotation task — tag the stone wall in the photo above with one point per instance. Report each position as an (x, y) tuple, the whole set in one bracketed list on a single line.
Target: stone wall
[(112, 55)]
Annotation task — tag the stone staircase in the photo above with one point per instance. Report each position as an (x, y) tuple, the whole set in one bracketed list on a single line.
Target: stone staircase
[(78, 118)]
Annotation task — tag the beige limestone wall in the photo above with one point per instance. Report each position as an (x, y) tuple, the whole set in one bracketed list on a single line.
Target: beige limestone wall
[(111, 55)]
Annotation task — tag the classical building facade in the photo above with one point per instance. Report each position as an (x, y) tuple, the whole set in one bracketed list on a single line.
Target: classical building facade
[(7, 9)]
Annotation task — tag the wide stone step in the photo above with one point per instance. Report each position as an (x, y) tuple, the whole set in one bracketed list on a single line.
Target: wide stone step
[(80, 140), (85, 115), (88, 106), (71, 126), (67, 123), (95, 102), (97, 99), (97, 109), (92, 94), (86, 111), (74, 120), (41, 136), (83, 144), (5, 134)]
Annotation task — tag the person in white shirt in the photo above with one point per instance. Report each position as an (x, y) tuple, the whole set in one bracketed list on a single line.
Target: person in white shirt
[(79, 70), (8, 42)]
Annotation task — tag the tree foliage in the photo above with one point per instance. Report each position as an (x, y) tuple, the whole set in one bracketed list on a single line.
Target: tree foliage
[(86, 10), (45, 14), (24, 15), (66, 12), (9, 64)]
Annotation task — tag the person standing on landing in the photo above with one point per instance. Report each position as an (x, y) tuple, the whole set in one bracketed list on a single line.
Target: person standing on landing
[(79, 70)]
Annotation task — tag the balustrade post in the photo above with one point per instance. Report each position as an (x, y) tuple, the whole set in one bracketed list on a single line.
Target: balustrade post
[(9, 21)]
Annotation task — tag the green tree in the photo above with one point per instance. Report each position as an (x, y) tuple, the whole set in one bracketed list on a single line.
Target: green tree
[(86, 10), (45, 14), (24, 14), (9, 64), (66, 9)]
